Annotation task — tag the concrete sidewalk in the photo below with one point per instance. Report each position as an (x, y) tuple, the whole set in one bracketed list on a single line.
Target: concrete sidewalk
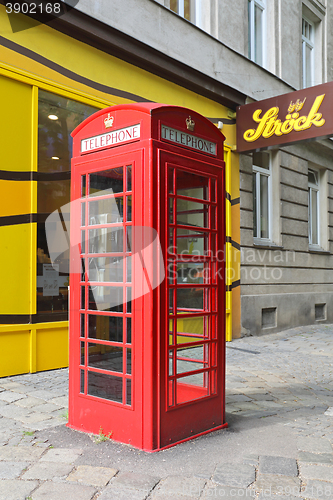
[(279, 441)]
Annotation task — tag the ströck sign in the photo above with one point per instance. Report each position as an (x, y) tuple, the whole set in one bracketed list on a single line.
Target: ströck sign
[(286, 119)]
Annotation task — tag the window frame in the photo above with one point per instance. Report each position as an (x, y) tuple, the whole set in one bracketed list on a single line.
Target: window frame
[(258, 172), (308, 43), (252, 33), (312, 187)]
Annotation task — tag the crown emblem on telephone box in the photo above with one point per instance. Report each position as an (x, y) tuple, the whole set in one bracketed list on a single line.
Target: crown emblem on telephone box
[(190, 124), (108, 122)]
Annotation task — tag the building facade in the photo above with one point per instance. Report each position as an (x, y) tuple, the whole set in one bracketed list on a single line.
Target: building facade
[(208, 55)]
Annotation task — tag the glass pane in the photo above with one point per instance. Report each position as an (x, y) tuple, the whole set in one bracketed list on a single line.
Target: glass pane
[(187, 9), (105, 386), (191, 329), (108, 328), (82, 381), (314, 217), (128, 392), (261, 160), (254, 190), (129, 330), (191, 298), (129, 209), (192, 387), (83, 297), (312, 177), (264, 223), (129, 300), (82, 316), (106, 298), (83, 186), (129, 238), (82, 353), (106, 211), (192, 185), (308, 65), (192, 213), (129, 269), (106, 240), (106, 269), (129, 178), (191, 242), (129, 361), (258, 47), (105, 357), (190, 272), (83, 214), (108, 181)]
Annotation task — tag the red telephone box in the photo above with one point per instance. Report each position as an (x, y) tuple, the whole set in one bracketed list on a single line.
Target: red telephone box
[(147, 310)]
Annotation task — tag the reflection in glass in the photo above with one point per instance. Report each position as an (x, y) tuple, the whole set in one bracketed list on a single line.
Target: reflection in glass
[(82, 381), (106, 211), (108, 328), (129, 178), (106, 298), (106, 269), (53, 191), (105, 386), (83, 214), (192, 242), (191, 213), (190, 298), (129, 299), (82, 352), (129, 330), (129, 269), (105, 357), (128, 392), (129, 361), (191, 329), (129, 209), (192, 185), (106, 240), (82, 316), (109, 181)]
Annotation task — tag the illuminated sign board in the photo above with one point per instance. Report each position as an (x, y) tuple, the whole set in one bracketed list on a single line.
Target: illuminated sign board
[(297, 116)]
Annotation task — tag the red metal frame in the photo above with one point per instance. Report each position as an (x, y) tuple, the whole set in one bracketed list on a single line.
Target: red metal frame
[(160, 409)]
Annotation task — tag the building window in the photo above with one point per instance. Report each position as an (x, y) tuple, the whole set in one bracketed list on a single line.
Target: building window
[(57, 118), (313, 187), (307, 52), (256, 31), (192, 10), (261, 196)]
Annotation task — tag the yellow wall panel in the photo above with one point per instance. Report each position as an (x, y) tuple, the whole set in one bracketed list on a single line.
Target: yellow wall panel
[(51, 348), (15, 125), (14, 353), (15, 197), (15, 269)]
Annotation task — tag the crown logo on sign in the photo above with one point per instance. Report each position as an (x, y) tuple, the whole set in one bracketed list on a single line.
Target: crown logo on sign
[(190, 123), (297, 106), (108, 122)]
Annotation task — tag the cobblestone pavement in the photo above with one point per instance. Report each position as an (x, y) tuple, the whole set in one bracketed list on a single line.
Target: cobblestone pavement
[(278, 444)]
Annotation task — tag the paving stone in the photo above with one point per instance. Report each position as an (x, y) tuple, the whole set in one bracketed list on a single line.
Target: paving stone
[(61, 455), (315, 458), (12, 411), (317, 490), (237, 475), (268, 495), (182, 486), (47, 470), (227, 493), (12, 470), (34, 418), (95, 476), (321, 472), (10, 397), (111, 493), (21, 453), (46, 408), (60, 401), (251, 460), (314, 445), (280, 485), (132, 480), (28, 402), (237, 397), (15, 489), (56, 491), (277, 465)]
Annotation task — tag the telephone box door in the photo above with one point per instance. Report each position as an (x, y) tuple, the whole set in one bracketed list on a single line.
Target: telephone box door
[(193, 382)]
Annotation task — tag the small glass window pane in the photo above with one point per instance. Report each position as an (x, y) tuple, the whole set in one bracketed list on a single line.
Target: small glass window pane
[(106, 211), (106, 298), (261, 160), (129, 178), (106, 182), (258, 34), (105, 386), (314, 217), (264, 222), (105, 357), (108, 328), (106, 269)]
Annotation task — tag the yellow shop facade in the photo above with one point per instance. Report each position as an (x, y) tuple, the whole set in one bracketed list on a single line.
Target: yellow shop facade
[(52, 77)]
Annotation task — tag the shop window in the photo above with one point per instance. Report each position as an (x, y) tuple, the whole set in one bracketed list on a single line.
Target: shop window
[(313, 190), (57, 118), (307, 52), (256, 30), (261, 196)]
